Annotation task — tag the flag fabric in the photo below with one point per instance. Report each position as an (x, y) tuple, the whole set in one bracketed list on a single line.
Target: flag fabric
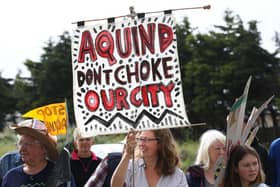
[(238, 131), (54, 116), (235, 119), (219, 170)]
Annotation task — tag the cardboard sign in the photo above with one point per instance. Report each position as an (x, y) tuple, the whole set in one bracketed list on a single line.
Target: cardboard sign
[(54, 116), (126, 76)]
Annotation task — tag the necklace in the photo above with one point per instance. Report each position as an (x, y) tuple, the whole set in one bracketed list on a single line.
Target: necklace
[(85, 166)]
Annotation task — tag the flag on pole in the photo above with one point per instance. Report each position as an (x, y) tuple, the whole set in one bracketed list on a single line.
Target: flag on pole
[(238, 131), (54, 115), (235, 119)]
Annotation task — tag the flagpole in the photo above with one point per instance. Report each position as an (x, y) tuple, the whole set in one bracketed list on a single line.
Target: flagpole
[(67, 122), (67, 133), (205, 7)]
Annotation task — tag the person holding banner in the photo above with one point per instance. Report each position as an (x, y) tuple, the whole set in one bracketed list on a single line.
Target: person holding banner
[(83, 161), (37, 149), (157, 164), (211, 147), (243, 168)]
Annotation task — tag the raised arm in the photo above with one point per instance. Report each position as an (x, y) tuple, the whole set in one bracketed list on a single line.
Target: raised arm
[(119, 176)]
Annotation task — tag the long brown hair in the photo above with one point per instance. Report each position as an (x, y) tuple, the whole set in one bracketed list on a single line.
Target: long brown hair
[(168, 157), (232, 179)]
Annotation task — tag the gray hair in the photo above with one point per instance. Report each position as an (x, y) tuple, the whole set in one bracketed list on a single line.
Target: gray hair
[(206, 140)]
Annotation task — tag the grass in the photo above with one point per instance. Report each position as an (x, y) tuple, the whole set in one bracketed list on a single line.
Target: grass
[(8, 141)]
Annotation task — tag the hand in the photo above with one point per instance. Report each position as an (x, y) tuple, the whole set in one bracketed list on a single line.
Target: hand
[(130, 143)]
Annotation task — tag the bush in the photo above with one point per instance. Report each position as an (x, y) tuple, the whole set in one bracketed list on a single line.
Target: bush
[(187, 152), (8, 141)]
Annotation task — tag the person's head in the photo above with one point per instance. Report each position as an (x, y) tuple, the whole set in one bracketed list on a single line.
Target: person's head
[(211, 147), (82, 141), (31, 150), (159, 143), (243, 167), (34, 142)]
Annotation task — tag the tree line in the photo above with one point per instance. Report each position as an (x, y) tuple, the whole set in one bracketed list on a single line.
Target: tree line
[(214, 67)]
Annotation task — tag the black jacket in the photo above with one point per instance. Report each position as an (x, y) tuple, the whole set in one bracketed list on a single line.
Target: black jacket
[(195, 176)]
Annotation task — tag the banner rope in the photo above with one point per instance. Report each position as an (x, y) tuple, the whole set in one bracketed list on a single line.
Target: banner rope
[(133, 13)]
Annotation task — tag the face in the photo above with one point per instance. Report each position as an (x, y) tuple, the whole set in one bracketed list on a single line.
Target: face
[(248, 168), (83, 144), (147, 143), (31, 150), (215, 150)]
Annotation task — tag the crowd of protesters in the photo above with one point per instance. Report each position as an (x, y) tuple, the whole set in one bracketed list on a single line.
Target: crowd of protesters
[(150, 158)]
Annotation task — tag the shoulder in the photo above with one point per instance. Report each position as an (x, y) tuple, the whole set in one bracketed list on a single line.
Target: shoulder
[(14, 173), (178, 172), (275, 143), (274, 147), (260, 185), (176, 179), (195, 175), (195, 171), (113, 160), (114, 155), (12, 157), (95, 158), (8, 161), (12, 154)]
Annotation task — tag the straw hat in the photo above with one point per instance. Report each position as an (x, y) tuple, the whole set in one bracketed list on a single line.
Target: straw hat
[(38, 130)]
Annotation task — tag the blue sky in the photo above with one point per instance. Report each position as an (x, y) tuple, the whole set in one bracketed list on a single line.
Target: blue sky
[(27, 25)]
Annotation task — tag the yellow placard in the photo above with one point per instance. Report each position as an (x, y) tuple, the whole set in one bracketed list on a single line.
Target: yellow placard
[(54, 115)]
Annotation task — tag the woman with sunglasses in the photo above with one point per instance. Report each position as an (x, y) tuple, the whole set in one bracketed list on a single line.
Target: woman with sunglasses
[(155, 166)]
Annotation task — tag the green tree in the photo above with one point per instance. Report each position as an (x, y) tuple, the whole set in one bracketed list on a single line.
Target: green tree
[(221, 62), (215, 67), (7, 100), (51, 78)]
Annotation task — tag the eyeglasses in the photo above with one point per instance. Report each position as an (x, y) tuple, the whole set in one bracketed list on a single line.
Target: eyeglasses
[(146, 139), (27, 144)]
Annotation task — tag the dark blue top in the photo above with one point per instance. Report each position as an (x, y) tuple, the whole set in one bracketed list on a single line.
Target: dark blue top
[(17, 178), (8, 161), (274, 157)]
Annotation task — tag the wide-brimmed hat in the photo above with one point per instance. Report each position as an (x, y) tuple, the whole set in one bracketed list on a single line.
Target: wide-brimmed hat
[(38, 130)]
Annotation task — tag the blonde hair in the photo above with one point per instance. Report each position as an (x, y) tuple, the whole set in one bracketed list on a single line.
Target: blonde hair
[(206, 140)]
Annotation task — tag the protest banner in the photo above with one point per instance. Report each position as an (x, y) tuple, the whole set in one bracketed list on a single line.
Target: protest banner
[(126, 75)]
